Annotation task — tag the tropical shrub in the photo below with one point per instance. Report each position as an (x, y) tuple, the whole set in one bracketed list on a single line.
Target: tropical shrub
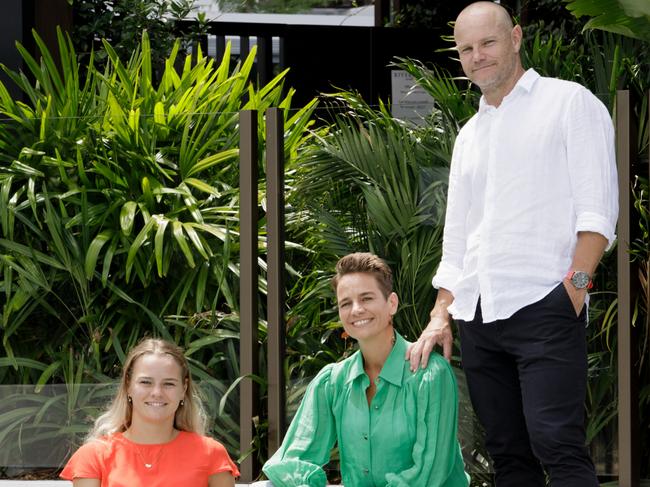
[(122, 22), (620, 61), (374, 183), (629, 19), (119, 218)]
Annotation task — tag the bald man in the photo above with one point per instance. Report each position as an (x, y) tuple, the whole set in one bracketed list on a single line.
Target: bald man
[(532, 206)]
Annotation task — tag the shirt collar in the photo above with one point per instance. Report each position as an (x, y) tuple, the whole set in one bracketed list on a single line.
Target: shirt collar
[(393, 368), (524, 83)]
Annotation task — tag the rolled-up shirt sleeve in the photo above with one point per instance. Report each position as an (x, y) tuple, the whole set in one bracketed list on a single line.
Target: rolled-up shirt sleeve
[(592, 165), (307, 445), (454, 237)]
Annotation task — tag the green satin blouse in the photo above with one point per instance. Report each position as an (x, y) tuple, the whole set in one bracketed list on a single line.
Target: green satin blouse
[(407, 437)]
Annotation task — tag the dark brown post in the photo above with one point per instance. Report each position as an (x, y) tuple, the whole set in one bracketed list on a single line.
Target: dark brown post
[(221, 47), (244, 47), (264, 58), (628, 414), (275, 274), (249, 363), (48, 15), (382, 12), (12, 30)]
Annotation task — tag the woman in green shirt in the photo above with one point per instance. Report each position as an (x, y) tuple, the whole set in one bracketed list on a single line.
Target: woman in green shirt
[(394, 427)]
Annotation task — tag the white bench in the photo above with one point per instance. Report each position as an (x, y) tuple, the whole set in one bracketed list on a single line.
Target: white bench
[(66, 483)]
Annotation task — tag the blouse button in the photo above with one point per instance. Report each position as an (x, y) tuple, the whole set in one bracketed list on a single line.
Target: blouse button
[(365, 436), (366, 471)]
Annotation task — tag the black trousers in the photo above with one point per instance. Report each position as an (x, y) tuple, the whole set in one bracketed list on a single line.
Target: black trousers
[(527, 378)]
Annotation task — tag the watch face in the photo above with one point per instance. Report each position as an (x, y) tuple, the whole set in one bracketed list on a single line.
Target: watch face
[(580, 279)]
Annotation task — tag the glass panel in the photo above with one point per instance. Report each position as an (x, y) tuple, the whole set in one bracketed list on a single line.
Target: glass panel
[(40, 429)]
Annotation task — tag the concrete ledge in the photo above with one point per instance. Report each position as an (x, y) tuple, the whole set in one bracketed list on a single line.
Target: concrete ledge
[(66, 483), (52, 483), (35, 483)]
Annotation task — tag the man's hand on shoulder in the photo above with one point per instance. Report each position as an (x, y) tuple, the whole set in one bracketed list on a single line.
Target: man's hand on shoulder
[(437, 332)]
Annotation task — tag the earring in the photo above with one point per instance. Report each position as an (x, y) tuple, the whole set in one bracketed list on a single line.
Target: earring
[(182, 403), (129, 399)]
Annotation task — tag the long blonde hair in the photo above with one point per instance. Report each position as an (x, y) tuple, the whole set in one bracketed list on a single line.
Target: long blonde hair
[(190, 416)]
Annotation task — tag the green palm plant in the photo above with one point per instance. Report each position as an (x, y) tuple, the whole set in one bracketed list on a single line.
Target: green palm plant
[(371, 183), (630, 18), (620, 62)]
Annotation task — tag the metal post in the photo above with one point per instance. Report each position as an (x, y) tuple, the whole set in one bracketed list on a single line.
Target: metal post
[(220, 47), (382, 12), (244, 47), (275, 274), (248, 353), (628, 418), (12, 30), (264, 58)]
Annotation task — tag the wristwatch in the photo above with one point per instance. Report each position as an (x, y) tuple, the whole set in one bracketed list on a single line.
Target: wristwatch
[(580, 279)]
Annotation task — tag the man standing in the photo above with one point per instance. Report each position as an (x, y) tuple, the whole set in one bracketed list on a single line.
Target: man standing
[(532, 206)]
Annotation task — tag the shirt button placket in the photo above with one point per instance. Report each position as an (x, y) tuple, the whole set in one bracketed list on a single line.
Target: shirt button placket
[(366, 434), (372, 419), (492, 180)]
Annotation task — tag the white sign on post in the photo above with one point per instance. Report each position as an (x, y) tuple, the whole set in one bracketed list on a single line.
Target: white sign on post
[(409, 101)]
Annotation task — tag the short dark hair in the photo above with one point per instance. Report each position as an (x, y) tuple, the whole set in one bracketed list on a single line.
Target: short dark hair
[(367, 263)]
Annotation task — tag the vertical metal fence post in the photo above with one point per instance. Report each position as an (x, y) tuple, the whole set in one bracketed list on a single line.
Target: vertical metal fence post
[(382, 11), (628, 424), (275, 274), (264, 58), (220, 46), (248, 353)]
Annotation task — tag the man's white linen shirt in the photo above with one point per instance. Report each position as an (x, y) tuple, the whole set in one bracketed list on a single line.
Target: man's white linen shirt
[(525, 178)]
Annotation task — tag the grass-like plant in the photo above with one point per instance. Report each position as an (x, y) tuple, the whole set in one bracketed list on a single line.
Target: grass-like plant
[(119, 217)]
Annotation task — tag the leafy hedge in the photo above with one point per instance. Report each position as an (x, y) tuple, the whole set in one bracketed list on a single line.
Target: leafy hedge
[(119, 217)]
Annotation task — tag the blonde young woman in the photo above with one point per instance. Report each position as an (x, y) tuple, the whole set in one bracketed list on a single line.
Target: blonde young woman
[(394, 427), (153, 433)]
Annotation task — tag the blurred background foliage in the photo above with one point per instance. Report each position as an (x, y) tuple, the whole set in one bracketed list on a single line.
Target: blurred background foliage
[(286, 6), (119, 214), (121, 22)]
